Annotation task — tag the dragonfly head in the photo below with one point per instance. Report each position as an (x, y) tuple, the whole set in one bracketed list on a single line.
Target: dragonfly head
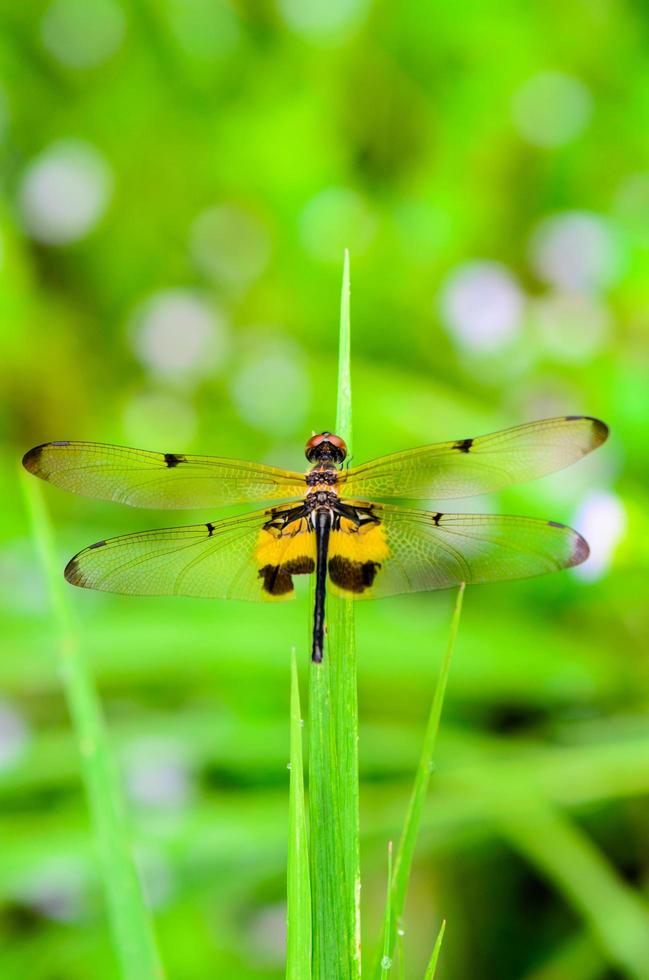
[(325, 447)]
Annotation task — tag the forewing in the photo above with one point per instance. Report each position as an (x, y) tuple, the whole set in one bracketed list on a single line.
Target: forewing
[(253, 557), (418, 551), (170, 481), (467, 467)]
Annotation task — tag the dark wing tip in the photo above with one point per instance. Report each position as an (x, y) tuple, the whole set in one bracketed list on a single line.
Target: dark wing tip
[(599, 428), (73, 573), (32, 459), (580, 550), (600, 432)]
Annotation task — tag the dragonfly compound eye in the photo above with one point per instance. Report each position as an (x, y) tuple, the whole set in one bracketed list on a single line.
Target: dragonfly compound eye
[(325, 447)]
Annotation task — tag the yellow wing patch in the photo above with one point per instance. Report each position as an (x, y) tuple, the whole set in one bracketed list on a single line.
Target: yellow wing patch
[(355, 557), (282, 553)]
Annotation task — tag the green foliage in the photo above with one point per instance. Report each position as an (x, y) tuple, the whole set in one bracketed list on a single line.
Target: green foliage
[(133, 939), (616, 913), (244, 150)]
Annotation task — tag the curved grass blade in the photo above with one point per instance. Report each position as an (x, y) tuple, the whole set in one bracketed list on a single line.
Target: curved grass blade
[(298, 938), (408, 839), (128, 917), (616, 914), (333, 755)]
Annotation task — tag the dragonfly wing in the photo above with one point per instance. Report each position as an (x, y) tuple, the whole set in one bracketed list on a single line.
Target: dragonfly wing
[(159, 480), (253, 557), (401, 550), (468, 467)]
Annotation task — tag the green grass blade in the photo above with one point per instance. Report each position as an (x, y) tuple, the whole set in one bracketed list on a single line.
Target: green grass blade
[(408, 840), (431, 969), (386, 959), (129, 919), (298, 939), (344, 399), (333, 756)]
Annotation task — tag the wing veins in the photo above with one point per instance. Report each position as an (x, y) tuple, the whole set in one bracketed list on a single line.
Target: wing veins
[(209, 550), (218, 541), (503, 546)]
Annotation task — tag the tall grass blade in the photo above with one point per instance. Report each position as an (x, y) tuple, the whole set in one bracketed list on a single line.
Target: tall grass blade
[(409, 834), (431, 969), (333, 754), (344, 396), (128, 917), (298, 939), (386, 959)]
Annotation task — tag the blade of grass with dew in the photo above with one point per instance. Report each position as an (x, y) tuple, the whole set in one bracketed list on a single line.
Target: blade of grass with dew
[(298, 937), (410, 832), (386, 959), (431, 969), (129, 919), (333, 754)]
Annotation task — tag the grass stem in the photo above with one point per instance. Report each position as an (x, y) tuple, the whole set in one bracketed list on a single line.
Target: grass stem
[(333, 754), (386, 959), (431, 969), (298, 940), (128, 917), (409, 834)]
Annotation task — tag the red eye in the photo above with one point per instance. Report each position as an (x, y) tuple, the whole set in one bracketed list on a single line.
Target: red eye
[(326, 443), (337, 442)]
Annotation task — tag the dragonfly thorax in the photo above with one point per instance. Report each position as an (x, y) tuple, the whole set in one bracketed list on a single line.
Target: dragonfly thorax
[(321, 476), (321, 500)]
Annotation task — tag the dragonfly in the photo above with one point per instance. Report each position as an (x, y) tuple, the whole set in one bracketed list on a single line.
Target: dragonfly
[(331, 522)]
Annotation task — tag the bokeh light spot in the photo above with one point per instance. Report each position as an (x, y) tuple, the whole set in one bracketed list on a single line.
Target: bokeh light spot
[(570, 326), (204, 29), (551, 108), (154, 418), (267, 934), (57, 888), (576, 250), (64, 192), (481, 306), (271, 388), (82, 34), (14, 736), (323, 19), (632, 206), (335, 219), (602, 520), (177, 334), (156, 876), (157, 774), (230, 245)]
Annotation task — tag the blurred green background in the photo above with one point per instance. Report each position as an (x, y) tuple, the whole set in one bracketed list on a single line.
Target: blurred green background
[(179, 178)]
